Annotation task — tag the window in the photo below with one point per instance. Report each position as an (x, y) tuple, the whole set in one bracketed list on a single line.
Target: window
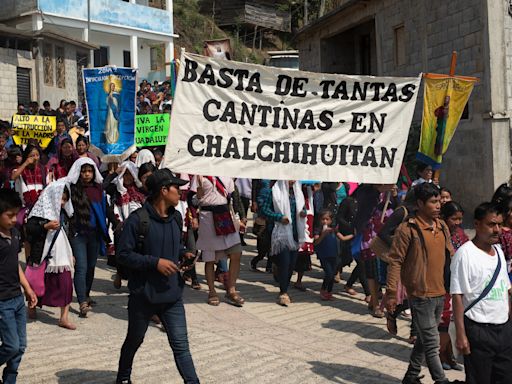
[(48, 64), (60, 63), (101, 57), (156, 57), (127, 59), (23, 81), (400, 58)]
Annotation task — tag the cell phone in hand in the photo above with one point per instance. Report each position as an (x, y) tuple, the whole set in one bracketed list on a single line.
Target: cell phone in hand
[(187, 263)]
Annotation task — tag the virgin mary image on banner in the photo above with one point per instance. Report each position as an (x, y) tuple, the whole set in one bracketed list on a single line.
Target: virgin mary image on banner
[(113, 105), (110, 95)]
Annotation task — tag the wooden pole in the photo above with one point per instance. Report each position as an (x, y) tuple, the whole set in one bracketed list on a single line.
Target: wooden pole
[(254, 38), (453, 63)]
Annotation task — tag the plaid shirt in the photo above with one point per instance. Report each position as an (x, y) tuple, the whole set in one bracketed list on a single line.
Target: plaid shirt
[(266, 208)]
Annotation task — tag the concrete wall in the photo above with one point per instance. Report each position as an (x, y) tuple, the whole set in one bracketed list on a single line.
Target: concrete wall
[(14, 8), (116, 45), (479, 156), (52, 93), (10, 59)]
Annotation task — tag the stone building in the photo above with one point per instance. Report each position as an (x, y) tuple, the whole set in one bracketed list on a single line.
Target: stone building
[(40, 66), (406, 37)]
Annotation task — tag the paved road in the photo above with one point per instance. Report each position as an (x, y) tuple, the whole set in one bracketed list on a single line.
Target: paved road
[(309, 342)]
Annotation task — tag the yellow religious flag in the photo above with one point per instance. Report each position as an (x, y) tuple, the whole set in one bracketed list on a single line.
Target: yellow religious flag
[(33, 127), (444, 100)]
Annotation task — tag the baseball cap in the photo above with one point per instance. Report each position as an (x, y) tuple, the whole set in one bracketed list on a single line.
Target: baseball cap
[(161, 178)]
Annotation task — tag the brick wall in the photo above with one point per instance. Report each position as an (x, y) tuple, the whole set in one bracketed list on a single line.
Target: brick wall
[(10, 59)]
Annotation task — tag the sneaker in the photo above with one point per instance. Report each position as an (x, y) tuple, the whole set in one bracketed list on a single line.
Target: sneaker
[(456, 367), (446, 366), (283, 300)]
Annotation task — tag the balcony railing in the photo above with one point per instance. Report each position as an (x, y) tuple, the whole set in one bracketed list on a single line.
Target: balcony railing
[(112, 12)]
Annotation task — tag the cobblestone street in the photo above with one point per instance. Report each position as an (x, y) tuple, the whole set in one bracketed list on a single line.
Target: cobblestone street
[(309, 342)]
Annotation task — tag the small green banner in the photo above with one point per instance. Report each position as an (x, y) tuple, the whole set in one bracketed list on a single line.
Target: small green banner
[(151, 130)]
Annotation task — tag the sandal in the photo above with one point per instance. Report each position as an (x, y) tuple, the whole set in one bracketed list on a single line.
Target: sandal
[(300, 287), (234, 299), (391, 324), (213, 299), (84, 309), (351, 291), (377, 312), (67, 325), (195, 285)]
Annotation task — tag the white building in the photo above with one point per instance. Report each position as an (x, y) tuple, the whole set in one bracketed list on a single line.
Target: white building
[(128, 34)]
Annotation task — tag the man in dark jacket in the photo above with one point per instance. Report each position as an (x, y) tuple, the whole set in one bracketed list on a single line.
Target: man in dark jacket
[(156, 284)]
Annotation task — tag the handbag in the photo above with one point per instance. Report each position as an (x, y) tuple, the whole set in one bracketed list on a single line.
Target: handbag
[(380, 248), (35, 274), (35, 277), (489, 286), (223, 220), (259, 226)]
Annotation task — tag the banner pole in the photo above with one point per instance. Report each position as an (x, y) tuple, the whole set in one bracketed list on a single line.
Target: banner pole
[(453, 63)]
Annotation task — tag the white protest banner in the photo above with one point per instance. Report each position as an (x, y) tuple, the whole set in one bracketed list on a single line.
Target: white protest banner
[(246, 120)]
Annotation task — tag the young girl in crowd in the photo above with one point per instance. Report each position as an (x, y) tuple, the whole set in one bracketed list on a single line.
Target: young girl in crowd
[(326, 247), (88, 226), (29, 177), (445, 195), (82, 148), (126, 198), (59, 166), (285, 208), (47, 231), (452, 213)]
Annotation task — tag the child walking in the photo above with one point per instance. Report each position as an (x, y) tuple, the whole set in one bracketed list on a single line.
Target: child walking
[(47, 232), (13, 315), (326, 247)]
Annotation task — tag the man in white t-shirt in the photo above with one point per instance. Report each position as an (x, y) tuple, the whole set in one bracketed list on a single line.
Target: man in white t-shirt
[(484, 329)]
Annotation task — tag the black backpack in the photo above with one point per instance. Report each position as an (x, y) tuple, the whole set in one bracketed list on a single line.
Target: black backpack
[(143, 228)]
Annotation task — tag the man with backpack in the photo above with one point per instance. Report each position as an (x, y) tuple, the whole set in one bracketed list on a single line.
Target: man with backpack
[(150, 246), (480, 289), (419, 256)]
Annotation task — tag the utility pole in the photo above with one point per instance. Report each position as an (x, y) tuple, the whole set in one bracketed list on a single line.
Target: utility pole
[(88, 32)]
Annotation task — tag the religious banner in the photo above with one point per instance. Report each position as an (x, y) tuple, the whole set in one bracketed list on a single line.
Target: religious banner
[(35, 127), (246, 120), (218, 49), (444, 100), (151, 130), (110, 97)]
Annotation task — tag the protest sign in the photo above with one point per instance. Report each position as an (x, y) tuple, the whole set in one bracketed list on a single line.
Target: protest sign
[(444, 100), (40, 128), (110, 96), (151, 130), (246, 120)]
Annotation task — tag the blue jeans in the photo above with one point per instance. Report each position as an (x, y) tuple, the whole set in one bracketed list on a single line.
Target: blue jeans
[(85, 250), (175, 323), (330, 267), (13, 334), (426, 315), (286, 263)]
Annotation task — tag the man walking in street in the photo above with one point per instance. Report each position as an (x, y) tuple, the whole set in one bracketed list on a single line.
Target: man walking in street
[(419, 255), (480, 289), (150, 247)]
